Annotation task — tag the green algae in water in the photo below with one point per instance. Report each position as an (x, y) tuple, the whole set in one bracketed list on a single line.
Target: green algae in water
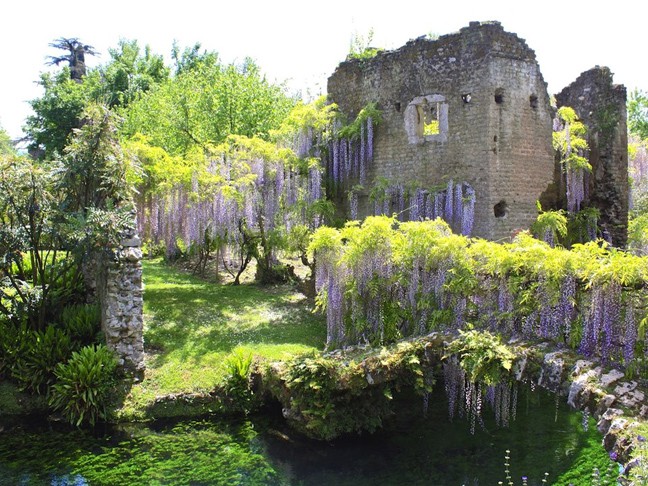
[(411, 450), (188, 453)]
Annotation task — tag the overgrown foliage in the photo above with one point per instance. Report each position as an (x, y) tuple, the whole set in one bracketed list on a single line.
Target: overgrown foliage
[(54, 216), (326, 396), (84, 385), (569, 142), (482, 356), (383, 280)]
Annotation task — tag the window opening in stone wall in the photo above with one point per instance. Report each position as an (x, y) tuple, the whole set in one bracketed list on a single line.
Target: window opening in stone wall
[(501, 209), (430, 114), (466, 97), (426, 119), (397, 105), (533, 101), (499, 96)]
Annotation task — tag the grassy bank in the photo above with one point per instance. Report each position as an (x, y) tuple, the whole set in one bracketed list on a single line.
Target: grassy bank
[(193, 325)]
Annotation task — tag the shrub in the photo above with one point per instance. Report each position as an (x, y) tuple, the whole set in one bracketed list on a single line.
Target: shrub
[(482, 356), (82, 322), (36, 355), (237, 381), (84, 384)]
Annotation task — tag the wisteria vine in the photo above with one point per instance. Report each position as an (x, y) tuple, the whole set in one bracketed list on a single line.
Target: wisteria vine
[(455, 204), (400, 279)]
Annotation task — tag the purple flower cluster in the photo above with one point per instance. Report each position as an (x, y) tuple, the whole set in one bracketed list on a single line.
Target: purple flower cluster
[(602, 324), (575, 189), (349, 158), (455, 205), (630, 337)]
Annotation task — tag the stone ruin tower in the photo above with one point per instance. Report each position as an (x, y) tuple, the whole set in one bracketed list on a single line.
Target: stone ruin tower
[(471, 107)]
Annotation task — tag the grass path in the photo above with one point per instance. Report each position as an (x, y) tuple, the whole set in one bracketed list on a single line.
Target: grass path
[(192, 325)]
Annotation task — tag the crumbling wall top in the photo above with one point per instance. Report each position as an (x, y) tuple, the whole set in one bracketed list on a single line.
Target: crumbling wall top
[(477, 40)]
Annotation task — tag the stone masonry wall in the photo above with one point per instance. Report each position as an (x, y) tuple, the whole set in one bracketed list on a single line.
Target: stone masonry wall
[(114, 280), (121, 300), (601, 105), (498, 135)]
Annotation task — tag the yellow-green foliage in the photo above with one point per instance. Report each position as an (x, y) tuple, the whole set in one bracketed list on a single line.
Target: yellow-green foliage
[(352, 130), (317, 115), (570, 141), (531, 270), (160, 169)]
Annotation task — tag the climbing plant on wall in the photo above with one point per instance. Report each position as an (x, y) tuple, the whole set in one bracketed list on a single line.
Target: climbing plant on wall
[(381, 280), (455, 204), (569, 141)]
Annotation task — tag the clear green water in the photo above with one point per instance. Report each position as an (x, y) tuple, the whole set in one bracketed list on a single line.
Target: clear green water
[(410, 450)]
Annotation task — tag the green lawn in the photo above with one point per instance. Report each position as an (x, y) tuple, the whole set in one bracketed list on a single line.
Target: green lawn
[(192, 325)]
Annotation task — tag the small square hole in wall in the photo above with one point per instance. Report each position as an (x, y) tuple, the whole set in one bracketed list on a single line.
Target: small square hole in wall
[(501, 209), (499, 96), (466, 98), (533, 101)]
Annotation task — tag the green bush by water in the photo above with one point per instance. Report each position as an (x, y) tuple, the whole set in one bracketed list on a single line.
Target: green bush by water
[(83, 385), (36, 355)]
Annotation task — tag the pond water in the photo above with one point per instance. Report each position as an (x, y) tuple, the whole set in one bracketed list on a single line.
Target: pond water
[(410, 450)]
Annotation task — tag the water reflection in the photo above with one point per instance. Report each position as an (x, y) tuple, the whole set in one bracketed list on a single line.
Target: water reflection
[(411, 449)]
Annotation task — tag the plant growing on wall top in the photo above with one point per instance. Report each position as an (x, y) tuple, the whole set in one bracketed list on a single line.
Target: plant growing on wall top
[(361, 49)]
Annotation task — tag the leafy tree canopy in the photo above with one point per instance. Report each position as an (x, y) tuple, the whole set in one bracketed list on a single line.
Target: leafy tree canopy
[(206, 102), (6, 147), (638, 114), (131, 72)]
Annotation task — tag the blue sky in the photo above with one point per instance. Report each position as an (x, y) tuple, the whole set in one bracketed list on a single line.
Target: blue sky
[(301, 42)]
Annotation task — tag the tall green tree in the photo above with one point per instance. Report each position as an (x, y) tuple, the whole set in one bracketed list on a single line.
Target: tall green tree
[(131, 72), (75, 57), (58, 111), (205, 103), (638, 114)]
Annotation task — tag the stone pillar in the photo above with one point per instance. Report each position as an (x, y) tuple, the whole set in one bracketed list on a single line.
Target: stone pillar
[(121, 301)]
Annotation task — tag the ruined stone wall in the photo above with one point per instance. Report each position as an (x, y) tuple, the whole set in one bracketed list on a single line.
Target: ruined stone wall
[(122, 304), (498, 136), (114, 280), (601, 105)]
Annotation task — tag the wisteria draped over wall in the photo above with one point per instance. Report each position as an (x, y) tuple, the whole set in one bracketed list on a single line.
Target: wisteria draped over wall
[(387, 281), (572, 147), (349, 155), (455, 205)]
